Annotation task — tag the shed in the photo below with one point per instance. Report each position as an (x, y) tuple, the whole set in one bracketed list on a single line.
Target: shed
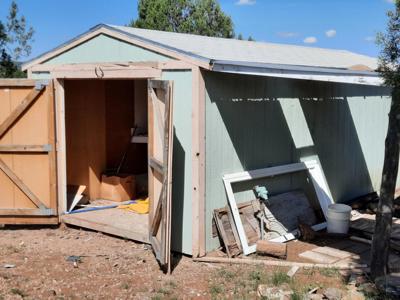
[(210, 107)]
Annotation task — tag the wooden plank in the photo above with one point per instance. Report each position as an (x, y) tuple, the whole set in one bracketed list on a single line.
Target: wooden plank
[(156, 165), (169, 151), (155, 224), (52, 141), (198, 163), (17, 82), (19, 110), (30, 220), (21, 185), (333, 252), (319, 257), (26, 148), (107, 73), (60, 146), (27, 212), (277, 263), (115, 221), (159, 84)]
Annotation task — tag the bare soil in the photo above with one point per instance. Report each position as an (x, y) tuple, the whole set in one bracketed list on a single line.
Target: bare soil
[(113, 268)]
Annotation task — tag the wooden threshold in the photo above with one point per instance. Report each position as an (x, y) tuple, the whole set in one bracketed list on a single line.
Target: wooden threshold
[(113, 221)]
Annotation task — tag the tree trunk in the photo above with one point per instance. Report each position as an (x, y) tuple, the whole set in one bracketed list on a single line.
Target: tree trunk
[(381, 239)]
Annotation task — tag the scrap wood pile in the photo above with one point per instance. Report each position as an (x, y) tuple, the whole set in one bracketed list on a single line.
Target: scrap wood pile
[(290, 216), (267, 226), (363, 218)]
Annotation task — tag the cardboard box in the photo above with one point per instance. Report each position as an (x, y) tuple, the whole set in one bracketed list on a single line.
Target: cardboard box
[(118, 188)]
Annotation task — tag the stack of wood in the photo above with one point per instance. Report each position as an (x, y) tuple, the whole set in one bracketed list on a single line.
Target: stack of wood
[(364, 226), (226, 230)]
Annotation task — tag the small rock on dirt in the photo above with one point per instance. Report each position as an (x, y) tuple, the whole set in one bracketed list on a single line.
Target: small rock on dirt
[(333, 294), (8, 266), (272, 293), (354, 295), (314, 297)]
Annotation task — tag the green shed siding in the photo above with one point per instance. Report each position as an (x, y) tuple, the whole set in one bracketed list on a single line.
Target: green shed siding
[(103, 48), (182, 162), (255, 122)]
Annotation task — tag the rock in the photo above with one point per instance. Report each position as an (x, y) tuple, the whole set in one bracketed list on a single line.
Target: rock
[(389, 285), (354, 295), (8, 266), (272, 293), (314, 297), (333, 294)]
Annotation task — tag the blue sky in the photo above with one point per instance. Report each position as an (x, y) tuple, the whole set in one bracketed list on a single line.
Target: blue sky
[(339, 24)]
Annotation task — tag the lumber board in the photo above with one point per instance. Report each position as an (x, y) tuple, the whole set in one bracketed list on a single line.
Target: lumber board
[(30, 220), (27, 212), (278, 263), (26, 148), (198, 163), (107, 73), (114, 221), (61, 168), (17, 82), (51, 133), (319, 257), (333, 252), (19, 110)]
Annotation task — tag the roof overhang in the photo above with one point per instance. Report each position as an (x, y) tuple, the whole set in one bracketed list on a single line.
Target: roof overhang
[(298, 72)]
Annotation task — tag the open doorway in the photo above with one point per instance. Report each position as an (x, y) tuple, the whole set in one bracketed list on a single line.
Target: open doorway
[(106, 155)]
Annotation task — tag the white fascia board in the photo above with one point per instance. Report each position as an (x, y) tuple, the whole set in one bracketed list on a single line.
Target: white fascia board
[(303, 73)]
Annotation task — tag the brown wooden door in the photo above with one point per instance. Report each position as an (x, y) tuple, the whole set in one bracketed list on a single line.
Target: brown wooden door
[(160, 168), (27, 153)]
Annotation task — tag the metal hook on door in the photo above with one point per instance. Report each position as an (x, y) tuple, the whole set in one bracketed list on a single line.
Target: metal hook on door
[(99, 75)]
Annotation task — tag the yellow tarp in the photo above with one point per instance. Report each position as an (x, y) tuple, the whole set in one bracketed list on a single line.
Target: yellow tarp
[(141, 206)]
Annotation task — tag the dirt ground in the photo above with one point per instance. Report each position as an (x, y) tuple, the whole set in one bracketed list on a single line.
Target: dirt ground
[(113, 268)]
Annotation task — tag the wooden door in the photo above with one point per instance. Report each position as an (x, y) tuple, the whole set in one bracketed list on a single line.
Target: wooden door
[(160, 168), (27, 153)]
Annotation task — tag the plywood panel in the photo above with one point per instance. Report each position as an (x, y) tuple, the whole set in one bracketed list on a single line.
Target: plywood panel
[(113, 221), (119, 120), (85, 133)]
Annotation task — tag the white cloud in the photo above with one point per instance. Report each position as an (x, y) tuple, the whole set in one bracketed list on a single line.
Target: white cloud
[(390, 1), (330, 33), (370, 39), (310, 40), (246, 2), (287, 34)]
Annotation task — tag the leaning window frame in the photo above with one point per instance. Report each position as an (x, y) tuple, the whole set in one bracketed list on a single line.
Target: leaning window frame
[(317, 179)]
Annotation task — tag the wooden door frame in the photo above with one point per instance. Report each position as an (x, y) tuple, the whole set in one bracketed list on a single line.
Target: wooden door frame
[(198, 153), (59, 82)]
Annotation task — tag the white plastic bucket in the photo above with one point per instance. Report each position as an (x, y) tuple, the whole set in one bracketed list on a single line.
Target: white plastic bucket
[(338, 218)]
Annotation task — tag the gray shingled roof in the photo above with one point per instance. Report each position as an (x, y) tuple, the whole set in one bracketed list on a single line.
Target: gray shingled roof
[(253, 52)]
